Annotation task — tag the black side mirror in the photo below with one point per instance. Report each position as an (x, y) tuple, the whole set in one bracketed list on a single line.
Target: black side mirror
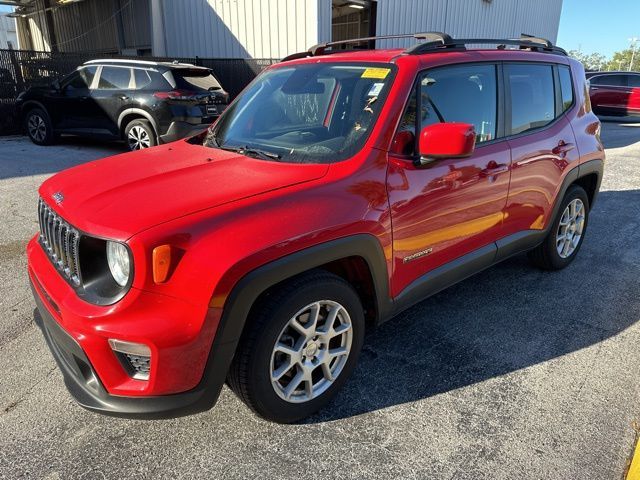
[(55, 85)]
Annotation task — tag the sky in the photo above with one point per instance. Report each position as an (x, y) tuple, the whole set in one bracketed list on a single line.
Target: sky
[(598, 26)]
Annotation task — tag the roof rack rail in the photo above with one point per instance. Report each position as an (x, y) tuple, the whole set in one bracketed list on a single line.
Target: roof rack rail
[(524, 42), (436, 38), (435, 42)]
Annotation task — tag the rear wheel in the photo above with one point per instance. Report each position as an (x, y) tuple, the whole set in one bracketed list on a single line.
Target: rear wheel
[(301, 345), (566, 234), (139, 134), (39, 127)]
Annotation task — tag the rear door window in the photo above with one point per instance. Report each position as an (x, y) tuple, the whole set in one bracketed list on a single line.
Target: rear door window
[(195, 79), (114, 78), (142, 78), (634, 81), (532, 96)]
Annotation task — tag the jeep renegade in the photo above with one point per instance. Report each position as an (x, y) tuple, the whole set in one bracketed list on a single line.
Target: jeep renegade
[(340, 188)]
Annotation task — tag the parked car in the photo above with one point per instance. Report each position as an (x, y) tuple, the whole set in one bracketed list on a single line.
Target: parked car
[(144, 103), (615, 93), (335, 192)]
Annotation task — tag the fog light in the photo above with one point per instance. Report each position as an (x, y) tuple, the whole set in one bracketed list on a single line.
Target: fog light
[(135, 358)]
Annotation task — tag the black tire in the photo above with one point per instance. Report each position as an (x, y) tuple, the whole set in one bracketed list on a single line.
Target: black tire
[(139, 134), (38, 126), (250, 373), (546, 255)]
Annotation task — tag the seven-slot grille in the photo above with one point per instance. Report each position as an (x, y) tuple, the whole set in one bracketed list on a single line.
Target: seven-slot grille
[(60, 241)]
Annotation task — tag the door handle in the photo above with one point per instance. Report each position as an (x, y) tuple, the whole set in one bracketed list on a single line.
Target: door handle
[(562, 148), (493, 168)]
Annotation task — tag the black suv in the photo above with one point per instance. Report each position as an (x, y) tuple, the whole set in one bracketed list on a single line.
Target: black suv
[(144, 103)]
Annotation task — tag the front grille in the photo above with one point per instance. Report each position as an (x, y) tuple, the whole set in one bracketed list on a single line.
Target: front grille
[(60, 241)]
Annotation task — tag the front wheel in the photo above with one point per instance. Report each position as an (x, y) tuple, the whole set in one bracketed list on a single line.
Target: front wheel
[(564, 240), (39, 127), (301, 344)]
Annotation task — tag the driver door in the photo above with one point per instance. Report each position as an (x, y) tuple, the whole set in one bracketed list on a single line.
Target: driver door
[(456, 205), (73, 108)]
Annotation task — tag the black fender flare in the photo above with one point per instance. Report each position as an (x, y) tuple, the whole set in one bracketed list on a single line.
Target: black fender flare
[(140, 112), (28, 104), (245, 292)]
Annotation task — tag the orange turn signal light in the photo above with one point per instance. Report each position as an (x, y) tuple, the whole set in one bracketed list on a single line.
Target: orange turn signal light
[(161, 263)]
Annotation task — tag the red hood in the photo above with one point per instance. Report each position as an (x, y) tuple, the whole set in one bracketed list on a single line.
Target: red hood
[(119, 196)]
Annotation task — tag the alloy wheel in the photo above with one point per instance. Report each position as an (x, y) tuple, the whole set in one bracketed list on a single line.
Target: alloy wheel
[(138, 138), (570, 228), (37, 127), (311, 351)]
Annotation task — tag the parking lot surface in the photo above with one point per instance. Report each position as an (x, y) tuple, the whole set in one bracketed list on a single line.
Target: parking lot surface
[(514, 373)]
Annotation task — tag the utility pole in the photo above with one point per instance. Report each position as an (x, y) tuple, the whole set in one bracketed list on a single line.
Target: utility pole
[(633, 41)]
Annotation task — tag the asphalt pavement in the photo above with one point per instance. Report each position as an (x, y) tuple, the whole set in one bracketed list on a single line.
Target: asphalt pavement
[(514, 373)]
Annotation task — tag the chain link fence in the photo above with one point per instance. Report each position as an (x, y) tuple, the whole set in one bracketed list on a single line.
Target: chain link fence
[(22, 69)]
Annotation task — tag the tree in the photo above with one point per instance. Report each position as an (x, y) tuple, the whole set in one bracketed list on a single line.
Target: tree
[(622, 60), (590, 61)]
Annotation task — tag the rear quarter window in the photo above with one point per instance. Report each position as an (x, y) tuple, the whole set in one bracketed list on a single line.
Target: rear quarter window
[(566, 87)]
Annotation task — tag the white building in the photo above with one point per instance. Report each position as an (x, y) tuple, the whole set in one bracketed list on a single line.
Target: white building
[(264, 28), (276, 28), (8, 32)]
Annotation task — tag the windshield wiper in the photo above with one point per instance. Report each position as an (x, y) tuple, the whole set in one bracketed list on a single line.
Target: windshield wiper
[(249, 151)]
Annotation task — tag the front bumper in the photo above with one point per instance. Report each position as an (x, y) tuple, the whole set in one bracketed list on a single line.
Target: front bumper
[(187, 370)]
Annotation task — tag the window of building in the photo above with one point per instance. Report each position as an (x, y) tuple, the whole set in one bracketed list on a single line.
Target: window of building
[(114, 78), (566, 87), (532, 96)]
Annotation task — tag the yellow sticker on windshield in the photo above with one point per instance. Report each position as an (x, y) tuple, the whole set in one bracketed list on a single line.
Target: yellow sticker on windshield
[(375, 73)]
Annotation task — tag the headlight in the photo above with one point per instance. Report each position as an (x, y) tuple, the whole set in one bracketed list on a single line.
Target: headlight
[(119, 262)]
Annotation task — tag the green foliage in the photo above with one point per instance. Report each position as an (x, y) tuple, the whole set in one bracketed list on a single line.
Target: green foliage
[(591, 61), (622, 60)]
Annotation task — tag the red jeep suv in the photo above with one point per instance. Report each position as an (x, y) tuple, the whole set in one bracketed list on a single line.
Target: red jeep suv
[(340, 188)]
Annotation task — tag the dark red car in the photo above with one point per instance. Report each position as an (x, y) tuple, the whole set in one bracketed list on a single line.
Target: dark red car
[(339, 189), (614, 93)]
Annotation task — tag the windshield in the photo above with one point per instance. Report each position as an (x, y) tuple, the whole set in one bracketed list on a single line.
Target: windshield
[(310, 113)]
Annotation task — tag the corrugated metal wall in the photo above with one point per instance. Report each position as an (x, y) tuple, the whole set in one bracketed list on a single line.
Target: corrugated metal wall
[(243, 28), (88, 26), (469, 18)]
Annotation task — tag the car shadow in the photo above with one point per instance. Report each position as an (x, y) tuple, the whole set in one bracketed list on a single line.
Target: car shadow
[(620, 132), (504, 319), (20, 158)]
